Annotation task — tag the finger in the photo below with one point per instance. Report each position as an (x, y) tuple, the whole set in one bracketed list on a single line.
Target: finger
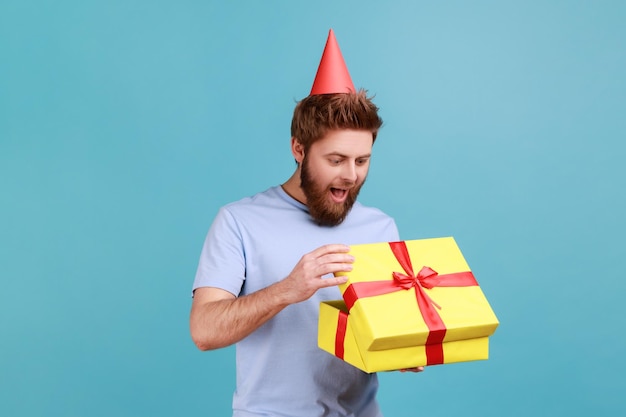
[(325, 268), (331, 248), (331, 282), (417, 369), (336, 258)]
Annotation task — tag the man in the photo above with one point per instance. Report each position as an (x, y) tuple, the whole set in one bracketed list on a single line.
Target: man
[(268, 261)]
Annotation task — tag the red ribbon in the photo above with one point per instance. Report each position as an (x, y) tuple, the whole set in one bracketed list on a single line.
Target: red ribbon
[(426, 278), (342, 325)]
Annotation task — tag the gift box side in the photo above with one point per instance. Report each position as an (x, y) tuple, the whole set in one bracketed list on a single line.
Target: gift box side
[(327, 334), (391, 359)]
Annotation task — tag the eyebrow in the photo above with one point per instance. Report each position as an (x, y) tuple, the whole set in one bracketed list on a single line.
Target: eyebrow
[(369, 155)]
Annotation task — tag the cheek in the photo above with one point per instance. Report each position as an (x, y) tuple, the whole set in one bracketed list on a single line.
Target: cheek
[(362, 172), (325, 173)]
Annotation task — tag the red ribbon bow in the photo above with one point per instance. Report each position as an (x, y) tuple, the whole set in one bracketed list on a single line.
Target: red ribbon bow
[(426, 278)]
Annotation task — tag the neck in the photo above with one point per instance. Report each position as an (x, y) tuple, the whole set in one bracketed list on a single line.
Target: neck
[(292, 187)]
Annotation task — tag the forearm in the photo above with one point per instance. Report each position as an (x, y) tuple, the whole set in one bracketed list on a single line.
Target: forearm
[(223, 322), (218, 319)]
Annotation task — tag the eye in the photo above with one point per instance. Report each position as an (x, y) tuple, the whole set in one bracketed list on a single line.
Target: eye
[(362, 161), (334, 161)]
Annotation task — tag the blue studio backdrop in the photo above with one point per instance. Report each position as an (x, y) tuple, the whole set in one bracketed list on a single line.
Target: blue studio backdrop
[(125, 125)]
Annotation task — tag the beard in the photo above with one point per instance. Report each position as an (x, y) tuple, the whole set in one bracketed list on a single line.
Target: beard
[(324, 211)]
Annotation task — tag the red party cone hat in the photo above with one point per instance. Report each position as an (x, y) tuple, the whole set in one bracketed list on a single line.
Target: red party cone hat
[(332, 74)]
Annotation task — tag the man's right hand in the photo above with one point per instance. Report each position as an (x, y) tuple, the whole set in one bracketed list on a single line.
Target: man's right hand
[(308, 275)]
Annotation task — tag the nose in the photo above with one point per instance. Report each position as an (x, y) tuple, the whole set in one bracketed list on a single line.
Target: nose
[(349, 172)]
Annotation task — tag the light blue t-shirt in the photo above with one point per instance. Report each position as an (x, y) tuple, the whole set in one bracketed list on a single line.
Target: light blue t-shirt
[(281, 371)]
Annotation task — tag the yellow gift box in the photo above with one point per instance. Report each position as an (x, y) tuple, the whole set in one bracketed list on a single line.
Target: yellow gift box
[(336, 336), (414, 293)]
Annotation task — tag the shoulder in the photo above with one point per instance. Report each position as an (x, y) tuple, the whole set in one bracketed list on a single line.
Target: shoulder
[(246, 201), (269, 198), (263, 209)]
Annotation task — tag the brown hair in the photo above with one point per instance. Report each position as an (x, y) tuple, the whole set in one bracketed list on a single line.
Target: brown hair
[(315, 115)]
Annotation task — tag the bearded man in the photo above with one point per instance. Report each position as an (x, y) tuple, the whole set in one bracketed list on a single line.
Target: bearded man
[(268, 261)]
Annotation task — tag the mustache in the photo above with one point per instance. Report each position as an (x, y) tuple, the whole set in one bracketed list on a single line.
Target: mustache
[(344, 186)]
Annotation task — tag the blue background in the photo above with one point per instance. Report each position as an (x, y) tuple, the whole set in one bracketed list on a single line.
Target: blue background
[(124, 125)]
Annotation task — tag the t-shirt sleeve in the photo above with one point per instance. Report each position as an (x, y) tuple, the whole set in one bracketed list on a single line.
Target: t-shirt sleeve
[(222, 260)]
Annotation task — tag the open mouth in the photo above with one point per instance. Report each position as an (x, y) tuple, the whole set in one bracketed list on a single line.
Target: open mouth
[(338, 194)]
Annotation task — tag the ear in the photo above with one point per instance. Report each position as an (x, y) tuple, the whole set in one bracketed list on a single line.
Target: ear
[(297, 150)]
